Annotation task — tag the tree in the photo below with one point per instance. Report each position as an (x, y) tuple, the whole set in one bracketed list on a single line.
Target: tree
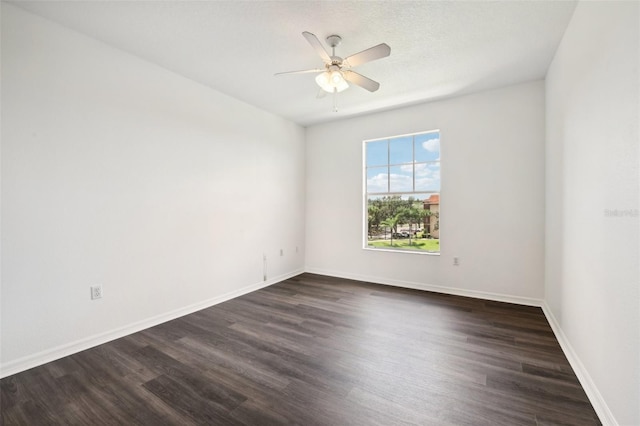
[(392, 223), (437, 224), (390, 206), (412, 215), (404, 218), (374, 219), (409, 211), (379, 209)]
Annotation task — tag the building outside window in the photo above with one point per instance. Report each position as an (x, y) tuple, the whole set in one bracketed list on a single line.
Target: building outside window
[(402, 193)]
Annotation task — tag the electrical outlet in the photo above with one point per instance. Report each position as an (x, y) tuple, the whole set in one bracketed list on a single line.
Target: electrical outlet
[(96, 292), (296, 249), (456, 261), (281, 252)]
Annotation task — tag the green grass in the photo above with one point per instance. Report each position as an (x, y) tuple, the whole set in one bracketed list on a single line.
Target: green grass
[(430, 245)]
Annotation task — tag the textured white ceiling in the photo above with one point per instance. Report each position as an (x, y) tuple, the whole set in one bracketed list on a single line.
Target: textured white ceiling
[(438, 48)]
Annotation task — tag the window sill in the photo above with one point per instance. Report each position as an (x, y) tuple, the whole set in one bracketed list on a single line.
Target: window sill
[(420, 252)]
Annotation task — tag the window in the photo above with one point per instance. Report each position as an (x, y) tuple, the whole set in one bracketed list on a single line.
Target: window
[(402, 193)]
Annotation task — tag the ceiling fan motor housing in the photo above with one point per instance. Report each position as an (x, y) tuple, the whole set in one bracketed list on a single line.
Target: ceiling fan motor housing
[(334, 40)]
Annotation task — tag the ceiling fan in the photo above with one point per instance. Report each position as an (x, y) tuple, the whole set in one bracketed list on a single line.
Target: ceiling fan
[(337, 74)]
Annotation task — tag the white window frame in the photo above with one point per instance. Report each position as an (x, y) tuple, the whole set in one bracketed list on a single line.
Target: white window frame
[(366, 194)]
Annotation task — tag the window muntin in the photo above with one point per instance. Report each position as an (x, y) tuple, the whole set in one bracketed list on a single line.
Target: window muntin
[(402, 193)]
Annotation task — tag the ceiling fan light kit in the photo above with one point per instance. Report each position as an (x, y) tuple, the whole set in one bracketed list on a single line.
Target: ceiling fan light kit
[(332, 81), (337, 71)]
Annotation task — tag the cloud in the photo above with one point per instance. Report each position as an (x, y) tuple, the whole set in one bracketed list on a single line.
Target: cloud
[(432, 145), (378, 183), (435, 170), (427, 177), (422, 170), (427, 183), (401, 182)]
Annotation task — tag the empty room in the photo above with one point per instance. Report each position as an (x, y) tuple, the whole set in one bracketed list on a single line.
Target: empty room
[(320, 212)]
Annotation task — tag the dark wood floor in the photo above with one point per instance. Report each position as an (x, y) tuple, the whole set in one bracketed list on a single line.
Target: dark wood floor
[(314, 350)]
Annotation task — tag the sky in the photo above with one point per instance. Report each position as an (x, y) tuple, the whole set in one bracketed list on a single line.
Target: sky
[(394, 164)]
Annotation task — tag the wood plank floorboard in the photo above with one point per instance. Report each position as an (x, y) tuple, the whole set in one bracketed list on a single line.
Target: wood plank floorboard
[(316, 350)]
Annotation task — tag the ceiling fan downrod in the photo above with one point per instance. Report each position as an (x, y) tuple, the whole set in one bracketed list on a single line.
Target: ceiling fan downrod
[(333, 41)]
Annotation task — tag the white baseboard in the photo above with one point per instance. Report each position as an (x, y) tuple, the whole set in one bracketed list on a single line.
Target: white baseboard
[(61, 351), (590, 388), (528, 301)]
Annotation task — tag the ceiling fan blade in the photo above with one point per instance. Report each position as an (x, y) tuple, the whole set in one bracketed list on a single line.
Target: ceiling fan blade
[(300, 72), (361, 80), (315, 43), (371, 54)]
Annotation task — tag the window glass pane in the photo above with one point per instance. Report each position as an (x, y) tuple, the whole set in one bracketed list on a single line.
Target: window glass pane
[(401, 150), (404, 222), (377, 153), (401, 178), (428, 176), (427, 147), (377, 179)]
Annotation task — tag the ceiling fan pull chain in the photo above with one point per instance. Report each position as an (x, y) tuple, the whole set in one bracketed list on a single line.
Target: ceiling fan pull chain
[(335, 105)]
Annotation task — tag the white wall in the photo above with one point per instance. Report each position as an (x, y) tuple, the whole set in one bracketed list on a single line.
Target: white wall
[(120, 173), (492, 211), (592, 257)]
